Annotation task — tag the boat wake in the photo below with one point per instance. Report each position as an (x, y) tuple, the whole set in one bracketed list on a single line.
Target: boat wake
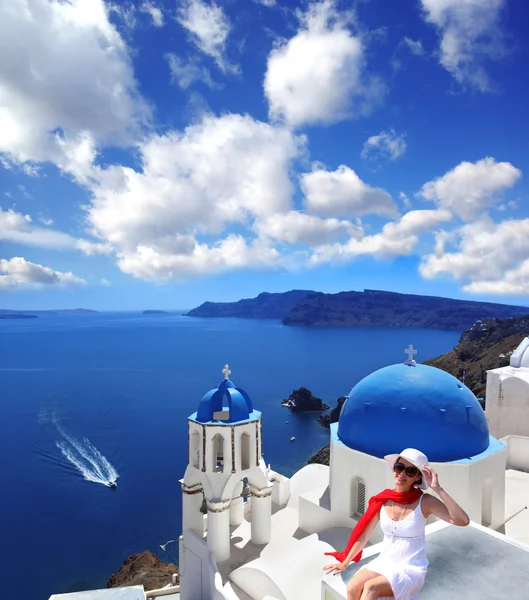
[(85, 457)]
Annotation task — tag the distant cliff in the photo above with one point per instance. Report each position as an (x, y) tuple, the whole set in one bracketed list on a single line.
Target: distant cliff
[(486, 345), (264, 306), (380, 308)]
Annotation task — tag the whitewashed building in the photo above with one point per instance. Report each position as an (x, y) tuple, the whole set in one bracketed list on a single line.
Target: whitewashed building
[(507, 394)]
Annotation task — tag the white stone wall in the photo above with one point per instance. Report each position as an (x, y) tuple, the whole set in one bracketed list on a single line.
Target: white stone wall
[(199, 578), (517, 452), (507, 401), (479, 487)]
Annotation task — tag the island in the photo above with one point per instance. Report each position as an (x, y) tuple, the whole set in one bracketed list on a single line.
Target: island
[(264, 306), (361, 309), (302, 400), (16, 316), (154, 312)]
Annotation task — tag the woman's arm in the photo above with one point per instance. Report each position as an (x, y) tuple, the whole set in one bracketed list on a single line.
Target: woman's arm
[(357, 547), (447, 509)]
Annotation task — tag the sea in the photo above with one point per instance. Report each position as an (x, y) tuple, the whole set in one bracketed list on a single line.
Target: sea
[(90, 397)]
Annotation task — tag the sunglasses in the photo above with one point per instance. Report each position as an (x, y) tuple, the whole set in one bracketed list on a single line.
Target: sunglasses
[(410, 471)]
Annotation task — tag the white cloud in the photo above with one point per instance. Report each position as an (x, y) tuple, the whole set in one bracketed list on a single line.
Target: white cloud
[(31, 170), (105, 282), (186, 73), (18, 228), (228, 254), (470, 188), (471, 34), (342, 193), (46, 220), (490, 257), (209, 28), (397, 238), (155, 12), (266, 2), (387, 144), (299, 228), (415, 46), (405, 200), (319, 75), (219, 174), (66, 83), (18, 273)]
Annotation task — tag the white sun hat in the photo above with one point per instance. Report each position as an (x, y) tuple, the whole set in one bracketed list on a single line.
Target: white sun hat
[(415, 457)]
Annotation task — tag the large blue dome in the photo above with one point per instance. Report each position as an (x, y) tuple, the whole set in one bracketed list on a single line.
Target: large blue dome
[(413, 406)]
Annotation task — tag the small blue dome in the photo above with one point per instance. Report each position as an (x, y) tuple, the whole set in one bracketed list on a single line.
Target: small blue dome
[(233, 402), (413, 406)]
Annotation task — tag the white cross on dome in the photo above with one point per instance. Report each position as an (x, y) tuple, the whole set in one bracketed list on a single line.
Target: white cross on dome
[(226, 372), (410, 351)]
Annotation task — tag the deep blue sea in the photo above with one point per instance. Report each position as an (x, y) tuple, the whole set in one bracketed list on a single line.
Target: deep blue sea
[(88, 396)]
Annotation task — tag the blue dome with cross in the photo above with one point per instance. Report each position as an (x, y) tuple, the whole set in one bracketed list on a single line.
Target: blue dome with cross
[(413, 406), (225, 404)]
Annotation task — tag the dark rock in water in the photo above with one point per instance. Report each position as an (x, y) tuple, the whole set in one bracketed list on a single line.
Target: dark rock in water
[(380, 308), (322, 457), (144, 569), (264, 306), (334, 415), (302, 400), (488, 344), (154, 312)]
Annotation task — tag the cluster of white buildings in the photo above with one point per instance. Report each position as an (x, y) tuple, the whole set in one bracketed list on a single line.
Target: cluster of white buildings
[(249, 532)]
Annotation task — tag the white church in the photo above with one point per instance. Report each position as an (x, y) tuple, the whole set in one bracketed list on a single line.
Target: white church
[(249, 532)]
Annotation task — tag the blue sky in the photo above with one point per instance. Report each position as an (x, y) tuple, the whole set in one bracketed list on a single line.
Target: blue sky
[(160, 154)]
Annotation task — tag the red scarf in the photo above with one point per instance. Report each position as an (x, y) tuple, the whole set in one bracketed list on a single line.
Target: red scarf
[(374, 505)]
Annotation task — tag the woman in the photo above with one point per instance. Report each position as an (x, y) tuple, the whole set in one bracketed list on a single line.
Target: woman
[(400, 568)]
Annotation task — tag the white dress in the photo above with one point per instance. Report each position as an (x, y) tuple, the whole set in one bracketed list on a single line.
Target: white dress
[(402, 560)]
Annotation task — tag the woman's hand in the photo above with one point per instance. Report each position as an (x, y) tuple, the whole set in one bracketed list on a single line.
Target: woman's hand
[(335, 568), (431, 478)]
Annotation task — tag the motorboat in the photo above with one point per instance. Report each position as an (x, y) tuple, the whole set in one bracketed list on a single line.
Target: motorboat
[(292, 438), (112, 484)]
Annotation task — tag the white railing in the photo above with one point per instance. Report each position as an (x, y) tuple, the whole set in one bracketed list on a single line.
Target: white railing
[(165, 591)]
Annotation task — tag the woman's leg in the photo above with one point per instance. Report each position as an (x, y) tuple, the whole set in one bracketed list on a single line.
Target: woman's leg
[(377, 587), (356, 584)]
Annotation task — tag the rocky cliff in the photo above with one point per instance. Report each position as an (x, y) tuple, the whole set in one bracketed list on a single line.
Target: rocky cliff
[(264, 306), (144, 569), (486, 345), (379, 308)]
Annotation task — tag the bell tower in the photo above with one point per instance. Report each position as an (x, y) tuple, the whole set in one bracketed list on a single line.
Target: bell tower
[(225, 470)]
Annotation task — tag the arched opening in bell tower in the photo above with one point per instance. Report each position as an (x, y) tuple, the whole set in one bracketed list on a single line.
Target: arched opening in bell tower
[(194, 449), (245, 451), (218, 453)]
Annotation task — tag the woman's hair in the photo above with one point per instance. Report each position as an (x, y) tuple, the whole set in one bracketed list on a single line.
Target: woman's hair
[(419, 481)]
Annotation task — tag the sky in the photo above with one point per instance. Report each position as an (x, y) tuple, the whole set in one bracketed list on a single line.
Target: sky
[(161, 154)]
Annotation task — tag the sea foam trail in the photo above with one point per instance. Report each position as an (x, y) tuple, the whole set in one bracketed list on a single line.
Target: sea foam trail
[(83, 455)]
